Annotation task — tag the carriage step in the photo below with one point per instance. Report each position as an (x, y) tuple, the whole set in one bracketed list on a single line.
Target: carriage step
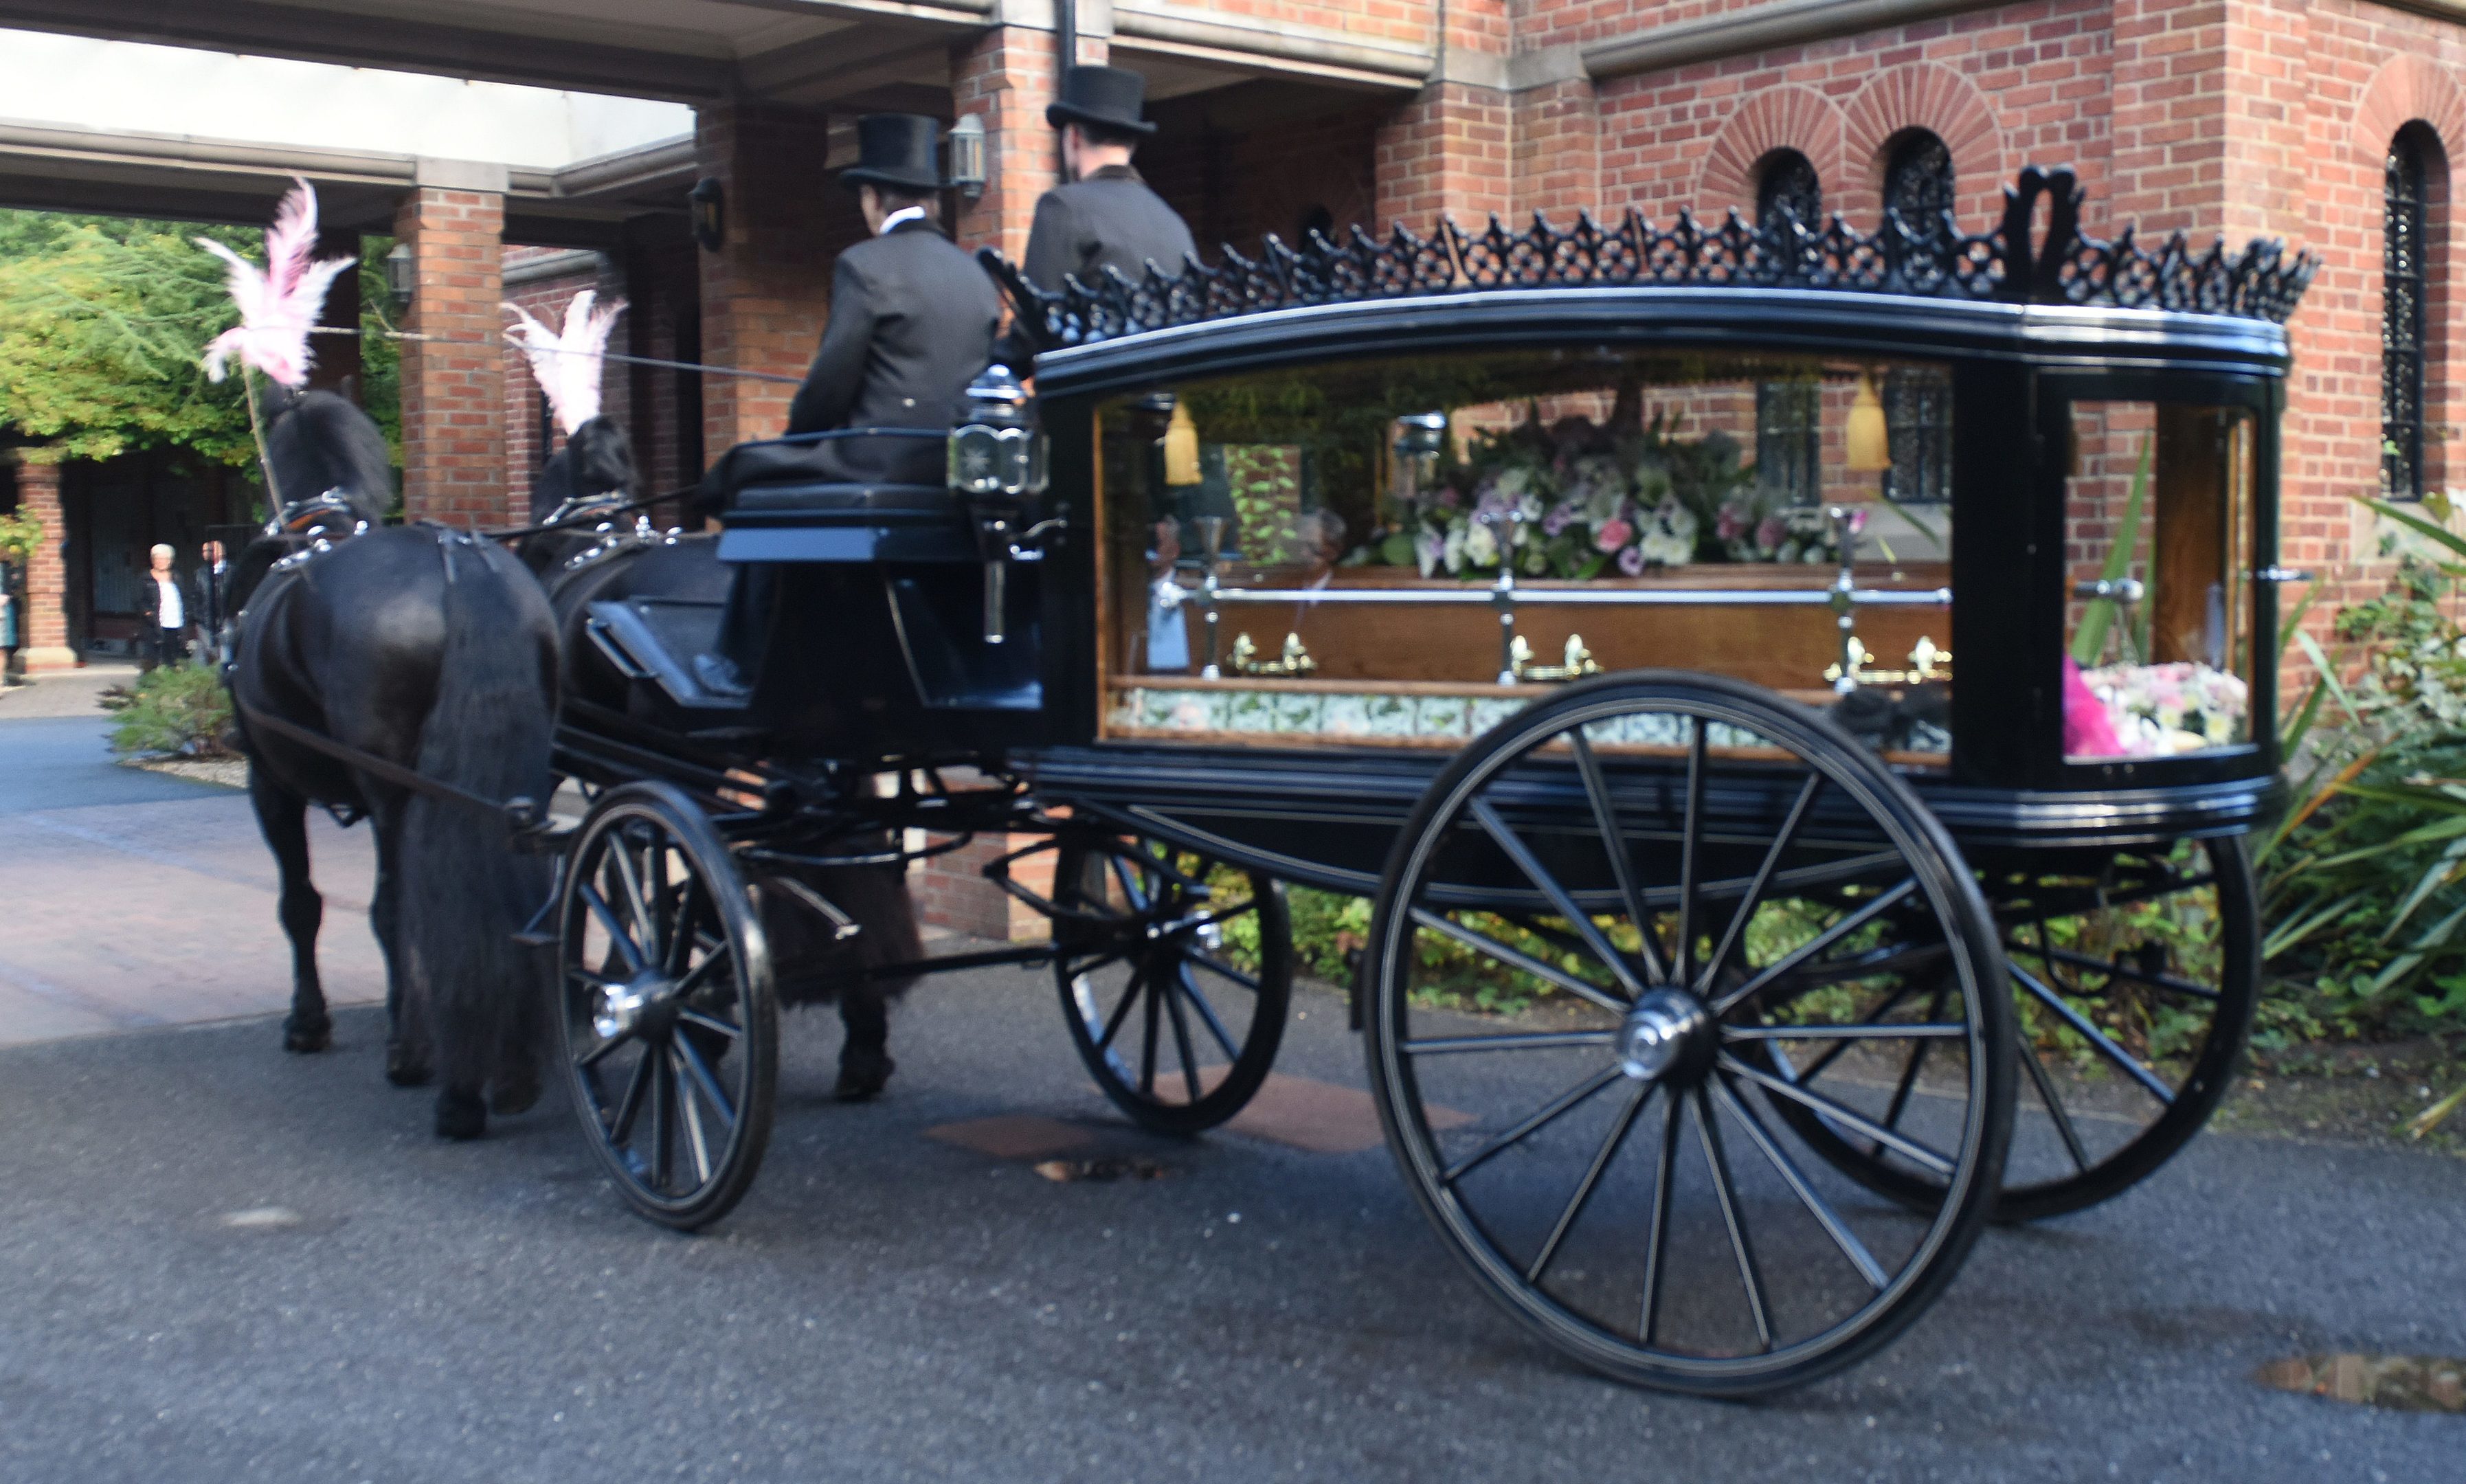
[(655, 641)]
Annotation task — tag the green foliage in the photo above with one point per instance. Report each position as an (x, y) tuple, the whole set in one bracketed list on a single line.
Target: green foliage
[(2089, 643), (20, 535), (176, 710), (102, 324)]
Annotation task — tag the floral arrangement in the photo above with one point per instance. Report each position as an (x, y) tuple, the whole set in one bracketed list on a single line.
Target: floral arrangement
[(1580, 499), (2155, 711)]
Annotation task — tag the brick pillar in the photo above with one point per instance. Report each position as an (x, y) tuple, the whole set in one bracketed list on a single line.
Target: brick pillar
[(46, 635), (1006, 76), (1556, 148), (1447, 153), (454, 385), (766, 292)]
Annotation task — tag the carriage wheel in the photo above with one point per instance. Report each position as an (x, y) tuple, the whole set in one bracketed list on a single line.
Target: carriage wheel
[(1680, 876), (1176, 972), (2134, 984), (670, 1028)]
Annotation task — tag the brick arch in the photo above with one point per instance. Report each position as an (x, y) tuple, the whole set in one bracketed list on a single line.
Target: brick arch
[(1782, 118), (1932, 97), (2406, 90)]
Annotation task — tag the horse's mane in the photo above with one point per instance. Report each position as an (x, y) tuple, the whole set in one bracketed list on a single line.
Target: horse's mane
[(319, 441)]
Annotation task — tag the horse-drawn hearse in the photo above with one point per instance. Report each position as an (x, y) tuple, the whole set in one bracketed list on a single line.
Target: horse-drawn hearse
[(1793, 698)]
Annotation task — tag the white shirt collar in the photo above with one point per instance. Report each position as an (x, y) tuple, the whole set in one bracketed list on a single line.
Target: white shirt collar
[(904, 213)]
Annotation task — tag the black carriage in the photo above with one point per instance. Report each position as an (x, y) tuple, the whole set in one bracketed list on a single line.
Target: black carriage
[(1793, 699)]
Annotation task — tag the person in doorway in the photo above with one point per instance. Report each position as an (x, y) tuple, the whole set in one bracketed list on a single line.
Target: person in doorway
[(913, 322), (1104, 216), (168, 641), (206, 593)]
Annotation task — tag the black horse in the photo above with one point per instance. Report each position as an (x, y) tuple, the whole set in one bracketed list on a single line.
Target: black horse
[(433, 652), (586, 565)]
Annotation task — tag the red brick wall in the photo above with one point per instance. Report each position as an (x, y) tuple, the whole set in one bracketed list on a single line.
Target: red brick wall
[(453, 387), (1448, 152), (766, 292), (44, 642), (1006, 76), (1235, 185)]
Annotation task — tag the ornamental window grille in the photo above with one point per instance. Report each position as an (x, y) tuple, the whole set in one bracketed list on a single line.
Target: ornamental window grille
[(1789, 414), (1919, 183), (2404, 288), (1917, 421)]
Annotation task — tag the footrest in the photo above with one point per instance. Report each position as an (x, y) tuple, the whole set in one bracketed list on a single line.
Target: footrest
[(655, 639)]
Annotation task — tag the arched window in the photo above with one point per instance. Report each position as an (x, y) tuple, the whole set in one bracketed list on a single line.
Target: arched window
[(1788, 183), (1917, 401), (1789, 414), (2406, 283)]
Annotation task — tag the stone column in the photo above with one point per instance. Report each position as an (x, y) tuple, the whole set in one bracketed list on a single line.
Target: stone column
[(46, 635), (766, 292), (453, 383)]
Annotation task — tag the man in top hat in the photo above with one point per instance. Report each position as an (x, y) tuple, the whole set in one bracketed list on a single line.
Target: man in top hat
[(1104, 216), (913, 322)]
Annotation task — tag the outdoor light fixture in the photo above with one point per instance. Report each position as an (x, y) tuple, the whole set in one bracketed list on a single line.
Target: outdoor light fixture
[(968, 156), (401, 275), (708, 202), (1870, 440)]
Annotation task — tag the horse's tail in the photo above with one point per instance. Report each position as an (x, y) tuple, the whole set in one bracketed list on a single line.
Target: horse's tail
[(464, 890)]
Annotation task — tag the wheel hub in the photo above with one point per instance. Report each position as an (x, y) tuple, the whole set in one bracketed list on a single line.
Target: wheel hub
[(623, 1008), (1667, 1034)]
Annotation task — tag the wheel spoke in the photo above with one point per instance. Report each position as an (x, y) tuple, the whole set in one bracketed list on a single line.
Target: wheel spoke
[(2151, 1082), (1122, 1011), (1814, 945), (694, 981), (1908, 1031), (1533, 872), (620, 854), (1909, 1076), (1517, 958), (692, 1116), (1690, 848), (709, 1022), (1169, 987), (2056, 1110), (709, 1085), (1731, 1217), (1227, 970), (1605, 819), (683, 939), (664, 1115), (1207, 1015), (600, 1053), (2120, 970), (1845, 1117), (1522, 1041), (1816, 1205), (620, 1128), (1736, 933), (1131, 894), (1221, 915), (1524, 1130), (1880, 1009), (1656, 1236), (617, 937), (1148, 1047), (1575, 1207)]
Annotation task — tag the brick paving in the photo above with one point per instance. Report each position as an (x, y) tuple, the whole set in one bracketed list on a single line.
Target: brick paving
[(137, 901)]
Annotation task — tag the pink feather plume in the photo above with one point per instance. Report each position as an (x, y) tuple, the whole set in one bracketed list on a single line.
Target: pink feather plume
[(566, 363), (279, 302)]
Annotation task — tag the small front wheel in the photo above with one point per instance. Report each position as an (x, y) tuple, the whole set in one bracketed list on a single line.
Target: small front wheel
[(1176, 972), (666, 1007)]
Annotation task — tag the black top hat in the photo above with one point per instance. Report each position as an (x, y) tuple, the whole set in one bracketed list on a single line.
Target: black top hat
[(1109, 96), (895, 149)]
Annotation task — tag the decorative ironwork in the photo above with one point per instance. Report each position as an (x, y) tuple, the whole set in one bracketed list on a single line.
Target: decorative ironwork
[(1918, 182), (2009, 264), (1791, 186), (2404, 287)]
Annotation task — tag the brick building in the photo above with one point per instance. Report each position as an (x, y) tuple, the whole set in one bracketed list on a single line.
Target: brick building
[(2330, 123)]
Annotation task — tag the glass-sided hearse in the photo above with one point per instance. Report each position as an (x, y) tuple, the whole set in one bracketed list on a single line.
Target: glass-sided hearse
[(1792, 698)]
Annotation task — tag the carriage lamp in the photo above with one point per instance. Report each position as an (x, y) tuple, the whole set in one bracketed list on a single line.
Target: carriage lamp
[(401, 275), (966, 163), (996, 459)]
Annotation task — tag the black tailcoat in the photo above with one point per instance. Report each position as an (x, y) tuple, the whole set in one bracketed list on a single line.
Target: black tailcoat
[(1109, 218), (913, 322)]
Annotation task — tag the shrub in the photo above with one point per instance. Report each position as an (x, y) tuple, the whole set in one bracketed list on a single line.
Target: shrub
[(176, 710)]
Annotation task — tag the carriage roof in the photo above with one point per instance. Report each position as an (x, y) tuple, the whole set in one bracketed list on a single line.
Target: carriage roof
[(2049, 295)]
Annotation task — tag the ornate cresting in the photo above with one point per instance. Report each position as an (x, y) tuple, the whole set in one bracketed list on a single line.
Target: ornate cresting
[(2263, 282)]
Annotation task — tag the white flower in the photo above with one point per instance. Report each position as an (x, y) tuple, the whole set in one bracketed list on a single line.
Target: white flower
[(1453, 553), (1428, 546), (1481, 545)]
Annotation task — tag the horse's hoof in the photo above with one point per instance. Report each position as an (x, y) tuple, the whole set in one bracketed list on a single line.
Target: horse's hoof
[(405, 1070), (514, 1094), (862, 1078), (460, 1115), (304, 1037)]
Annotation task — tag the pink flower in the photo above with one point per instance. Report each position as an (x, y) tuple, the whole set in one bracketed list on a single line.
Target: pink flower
[(1449, 499), (1730, 523), (2087, 731), (1770, 533), (1631, 561), (1613, 534)]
